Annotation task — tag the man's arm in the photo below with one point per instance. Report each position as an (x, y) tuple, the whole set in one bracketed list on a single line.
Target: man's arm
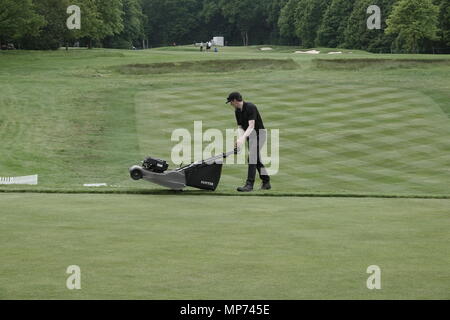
[(240, 131), (247, 133)]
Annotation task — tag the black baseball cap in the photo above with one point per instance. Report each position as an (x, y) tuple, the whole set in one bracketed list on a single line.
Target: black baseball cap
[(234, 96)]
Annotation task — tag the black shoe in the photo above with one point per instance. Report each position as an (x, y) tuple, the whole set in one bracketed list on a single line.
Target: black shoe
[(246, 188), (266, 186)]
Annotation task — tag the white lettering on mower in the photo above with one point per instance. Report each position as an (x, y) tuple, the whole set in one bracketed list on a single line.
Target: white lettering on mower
[(207, 183)]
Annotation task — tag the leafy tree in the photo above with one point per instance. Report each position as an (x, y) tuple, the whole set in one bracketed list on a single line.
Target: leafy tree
[(210, 10), (99, 19), (358, 36), (415, 24), (111, 15), (90, 20), (55, 32), (245, 14), (134, 20), (213, 22), (444, 22), (286, 21), (331, 31), (272, 9), (133, 31), (18, 18), (171, 20), (308, 17), (413, 21)]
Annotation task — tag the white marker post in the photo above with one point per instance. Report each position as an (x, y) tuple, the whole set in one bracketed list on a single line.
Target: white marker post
[(95, 185)]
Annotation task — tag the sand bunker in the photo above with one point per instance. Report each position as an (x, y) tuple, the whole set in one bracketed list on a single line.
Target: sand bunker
[(308, 52)]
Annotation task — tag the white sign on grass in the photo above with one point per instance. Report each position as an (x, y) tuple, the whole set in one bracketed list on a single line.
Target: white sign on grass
[(95, 185), (31, 180), (219, 41)]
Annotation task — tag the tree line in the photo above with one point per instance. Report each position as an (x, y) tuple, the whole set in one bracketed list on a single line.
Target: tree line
[(406, 25)]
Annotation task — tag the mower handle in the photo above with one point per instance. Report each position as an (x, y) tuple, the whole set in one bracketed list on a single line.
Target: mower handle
[(223, 155), (227, 154)]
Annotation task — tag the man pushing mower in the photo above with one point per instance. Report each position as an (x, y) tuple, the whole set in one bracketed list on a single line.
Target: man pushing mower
[(205, 174), (249, 120)]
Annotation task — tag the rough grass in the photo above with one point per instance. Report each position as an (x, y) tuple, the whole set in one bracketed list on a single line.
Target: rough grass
[(356, 64), (209, 66)]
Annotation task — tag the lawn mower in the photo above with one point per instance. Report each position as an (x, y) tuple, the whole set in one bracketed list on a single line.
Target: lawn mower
[(204, 174)]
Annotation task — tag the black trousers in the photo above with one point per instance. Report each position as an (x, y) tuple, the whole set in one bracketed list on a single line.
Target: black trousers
[(256, 141)]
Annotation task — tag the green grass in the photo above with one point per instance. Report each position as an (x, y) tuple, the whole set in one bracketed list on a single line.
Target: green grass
[(350, 133), (76, 117), (173, 247)]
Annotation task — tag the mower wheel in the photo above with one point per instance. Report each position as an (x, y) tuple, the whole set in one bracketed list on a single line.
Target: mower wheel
[(136, 174)]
